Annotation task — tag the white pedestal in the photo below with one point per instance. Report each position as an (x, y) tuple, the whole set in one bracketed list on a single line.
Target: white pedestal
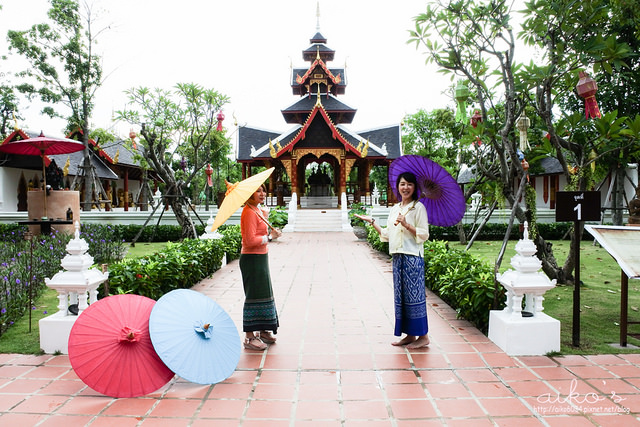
[(524, 336), (54, 332)]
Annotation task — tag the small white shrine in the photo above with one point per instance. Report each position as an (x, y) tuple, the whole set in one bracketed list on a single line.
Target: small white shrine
[(208, 234), (77, 287), (528, 331)]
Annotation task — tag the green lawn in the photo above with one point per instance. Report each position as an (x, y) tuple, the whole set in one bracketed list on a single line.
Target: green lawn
[(20, 338), (599, 297)]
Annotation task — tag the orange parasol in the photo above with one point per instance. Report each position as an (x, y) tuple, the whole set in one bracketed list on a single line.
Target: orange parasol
[(237, 194)]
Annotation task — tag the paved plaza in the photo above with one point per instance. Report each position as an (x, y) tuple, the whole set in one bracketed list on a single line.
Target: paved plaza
[(333, 364)]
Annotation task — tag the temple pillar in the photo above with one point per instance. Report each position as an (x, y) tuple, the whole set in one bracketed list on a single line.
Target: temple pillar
[(294, 176), (125, 196)]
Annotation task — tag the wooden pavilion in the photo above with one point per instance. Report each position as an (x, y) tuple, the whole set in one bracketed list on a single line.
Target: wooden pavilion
[(319, 135)]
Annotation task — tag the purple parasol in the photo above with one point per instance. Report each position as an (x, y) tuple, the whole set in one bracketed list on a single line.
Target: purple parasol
[(437, 189)]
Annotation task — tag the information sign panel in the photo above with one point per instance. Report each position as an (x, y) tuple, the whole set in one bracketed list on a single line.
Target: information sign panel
[(622, 243), (577, 206)]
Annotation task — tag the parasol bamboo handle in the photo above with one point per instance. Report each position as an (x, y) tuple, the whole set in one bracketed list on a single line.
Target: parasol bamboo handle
[(262, 218)]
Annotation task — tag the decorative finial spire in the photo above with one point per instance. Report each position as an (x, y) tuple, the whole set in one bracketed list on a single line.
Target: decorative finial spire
[(318, 16)]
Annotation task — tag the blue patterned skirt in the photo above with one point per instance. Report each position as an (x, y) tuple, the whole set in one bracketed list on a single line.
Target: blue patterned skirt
[(409, 295), (259, 312)]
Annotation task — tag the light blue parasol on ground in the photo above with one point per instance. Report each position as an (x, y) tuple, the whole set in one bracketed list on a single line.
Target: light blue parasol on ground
[(194, 336)]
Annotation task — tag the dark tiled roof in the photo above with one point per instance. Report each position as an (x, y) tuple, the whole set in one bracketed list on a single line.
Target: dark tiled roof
[(318, 38), (337, 110), (75, 162), (125, 152), (387, 137), (327, 54), (252, 137), (550, 166), (383, 142)]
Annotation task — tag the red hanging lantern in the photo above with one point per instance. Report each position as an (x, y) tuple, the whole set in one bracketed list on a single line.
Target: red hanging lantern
[(587, 88), (132, 136), (220, 118), (476, 118), (209, 172)]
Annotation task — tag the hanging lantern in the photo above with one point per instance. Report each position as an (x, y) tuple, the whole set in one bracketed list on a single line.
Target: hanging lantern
[(462, 94), (132, 136), (523, 124), (476, 118), (592, 158), (209, 172), (220, 118), (587, 88)]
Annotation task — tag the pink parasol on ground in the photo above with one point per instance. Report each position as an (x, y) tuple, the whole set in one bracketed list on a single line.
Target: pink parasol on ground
[(437, 189), (42, 146), (111, 351)]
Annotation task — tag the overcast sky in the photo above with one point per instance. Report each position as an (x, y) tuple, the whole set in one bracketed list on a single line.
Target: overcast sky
[(244, 49)]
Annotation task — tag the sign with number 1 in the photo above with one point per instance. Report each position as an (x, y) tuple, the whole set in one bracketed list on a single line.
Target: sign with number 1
[(577, 206)]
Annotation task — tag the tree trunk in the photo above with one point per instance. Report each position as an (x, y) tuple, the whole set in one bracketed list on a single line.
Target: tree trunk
[(85, 181), (180, 212), (461, 235), (618, 202)]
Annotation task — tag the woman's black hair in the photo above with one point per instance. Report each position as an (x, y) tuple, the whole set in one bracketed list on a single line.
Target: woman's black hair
[(411, 178)]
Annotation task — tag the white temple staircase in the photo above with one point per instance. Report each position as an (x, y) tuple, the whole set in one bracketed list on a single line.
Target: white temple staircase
[(308, 220)]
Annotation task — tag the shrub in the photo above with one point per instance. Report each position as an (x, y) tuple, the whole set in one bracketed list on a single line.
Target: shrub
[(106, 244), (462, 281), (360, 209), (179, 265), (279, 217)]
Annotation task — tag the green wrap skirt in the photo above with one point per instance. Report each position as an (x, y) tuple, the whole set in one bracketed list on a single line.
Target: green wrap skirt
[(259, 312)]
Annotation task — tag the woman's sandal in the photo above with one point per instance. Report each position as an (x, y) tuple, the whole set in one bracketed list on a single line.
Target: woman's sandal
[(254, 344), (266, 336)]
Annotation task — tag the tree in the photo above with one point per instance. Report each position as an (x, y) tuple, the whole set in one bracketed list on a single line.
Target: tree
[(474, 41), (8, 109), (178, 130), (63, 69)]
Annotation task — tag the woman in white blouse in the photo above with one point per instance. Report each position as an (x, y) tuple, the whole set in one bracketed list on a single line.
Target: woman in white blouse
[(406, 231)]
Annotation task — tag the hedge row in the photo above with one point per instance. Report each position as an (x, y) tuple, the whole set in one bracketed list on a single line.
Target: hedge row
[(465, 283), (178, 265)]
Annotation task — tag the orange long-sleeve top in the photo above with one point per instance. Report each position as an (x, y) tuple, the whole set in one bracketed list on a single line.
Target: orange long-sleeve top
[(254, 232)]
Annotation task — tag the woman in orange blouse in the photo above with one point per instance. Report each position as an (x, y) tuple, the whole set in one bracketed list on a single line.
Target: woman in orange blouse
[(259, 316)]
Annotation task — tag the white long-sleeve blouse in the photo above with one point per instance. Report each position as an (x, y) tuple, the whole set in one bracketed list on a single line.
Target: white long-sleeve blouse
[(402, 240)]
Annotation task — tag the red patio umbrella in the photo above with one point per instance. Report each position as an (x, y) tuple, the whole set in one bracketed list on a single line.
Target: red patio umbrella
[(42, 146), (111, 351)]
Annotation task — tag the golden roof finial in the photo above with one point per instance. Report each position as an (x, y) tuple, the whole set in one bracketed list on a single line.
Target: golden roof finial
[(365, 150), (65, 169), (15, 121), (318, 102), (272, 150)]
